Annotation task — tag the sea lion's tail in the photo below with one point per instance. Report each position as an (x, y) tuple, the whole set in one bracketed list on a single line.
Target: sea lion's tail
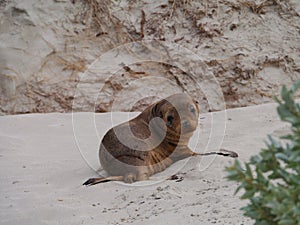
[(93, 181)]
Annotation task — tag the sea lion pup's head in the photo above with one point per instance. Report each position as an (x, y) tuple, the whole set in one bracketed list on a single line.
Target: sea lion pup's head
[(179, 113)]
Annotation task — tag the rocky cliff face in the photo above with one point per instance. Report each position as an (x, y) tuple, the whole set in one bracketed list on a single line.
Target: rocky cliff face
[(102, 56)]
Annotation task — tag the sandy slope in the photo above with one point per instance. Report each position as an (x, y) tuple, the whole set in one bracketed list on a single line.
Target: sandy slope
[(42, 171), (48, 48)]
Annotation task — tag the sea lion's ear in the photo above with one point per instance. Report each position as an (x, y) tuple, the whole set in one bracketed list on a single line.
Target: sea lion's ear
[(196, 104)]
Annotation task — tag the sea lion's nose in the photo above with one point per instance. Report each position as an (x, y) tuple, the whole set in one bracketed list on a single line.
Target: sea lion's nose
[(186, 124)]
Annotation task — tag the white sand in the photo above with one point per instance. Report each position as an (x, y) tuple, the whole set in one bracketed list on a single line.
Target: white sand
[(42, 171)]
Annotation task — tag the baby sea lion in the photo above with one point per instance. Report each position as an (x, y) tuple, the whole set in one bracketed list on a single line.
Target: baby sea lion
[(151, 142)]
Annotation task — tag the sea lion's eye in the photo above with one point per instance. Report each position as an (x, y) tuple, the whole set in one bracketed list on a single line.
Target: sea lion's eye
[(170, 120), (192, 109)]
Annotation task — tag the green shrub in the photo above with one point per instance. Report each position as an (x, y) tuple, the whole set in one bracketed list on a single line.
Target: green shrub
[(271, 179)]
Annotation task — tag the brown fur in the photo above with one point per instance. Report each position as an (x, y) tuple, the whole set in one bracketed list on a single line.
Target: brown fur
[(151, 142)]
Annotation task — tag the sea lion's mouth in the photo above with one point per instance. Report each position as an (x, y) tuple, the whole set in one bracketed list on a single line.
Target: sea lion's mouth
[(186, 124)]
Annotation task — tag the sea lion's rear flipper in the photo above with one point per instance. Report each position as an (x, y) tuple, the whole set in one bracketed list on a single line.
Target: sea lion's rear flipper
[(93, 181), (222, 152), (225, 152)]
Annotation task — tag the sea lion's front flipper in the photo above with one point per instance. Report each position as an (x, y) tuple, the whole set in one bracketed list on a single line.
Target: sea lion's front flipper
[(93, 181)]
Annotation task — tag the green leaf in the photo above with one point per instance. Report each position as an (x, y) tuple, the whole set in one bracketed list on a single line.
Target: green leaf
[(255, 160), (282, 156), (248, 171), (248, 194), (295, 87), (296, 210), (284, 92), (238, 189), (260, 178), (287, 221), (263, 222)]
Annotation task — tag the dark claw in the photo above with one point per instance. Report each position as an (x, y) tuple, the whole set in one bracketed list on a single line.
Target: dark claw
[(89, 182), (93, 181), (173, 177), (176, 178)]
